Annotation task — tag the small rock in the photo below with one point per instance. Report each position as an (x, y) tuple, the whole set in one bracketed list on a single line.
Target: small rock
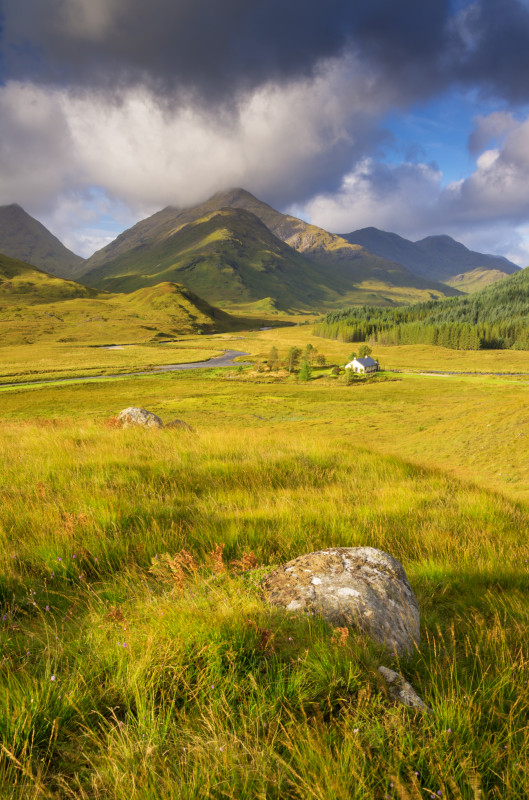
[(139, 416), (357, 587), (179, 423), (400, 691)]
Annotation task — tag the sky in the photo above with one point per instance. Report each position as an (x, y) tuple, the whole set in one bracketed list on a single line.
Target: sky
[(410, 116)]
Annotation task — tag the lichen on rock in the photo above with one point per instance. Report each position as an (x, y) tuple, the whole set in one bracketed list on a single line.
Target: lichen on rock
[(360, 587), (134, 416), (400, 691)]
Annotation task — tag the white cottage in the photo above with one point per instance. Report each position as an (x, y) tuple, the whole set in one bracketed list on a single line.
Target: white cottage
[(365, 365)]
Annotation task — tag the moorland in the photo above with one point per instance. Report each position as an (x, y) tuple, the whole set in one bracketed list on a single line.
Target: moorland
[(138, 658)]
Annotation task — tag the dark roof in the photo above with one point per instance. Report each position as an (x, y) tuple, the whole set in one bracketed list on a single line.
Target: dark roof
[(367, 361)]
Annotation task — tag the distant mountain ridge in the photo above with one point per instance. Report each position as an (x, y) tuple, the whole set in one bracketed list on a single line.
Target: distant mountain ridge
[(435, 257), (24, 238), (236, 249)]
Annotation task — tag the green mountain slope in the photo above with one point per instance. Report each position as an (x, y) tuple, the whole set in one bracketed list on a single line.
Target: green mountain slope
[(23, 237), (23, 283), (235, 249), (226, 256), (37, 306), (475, 279), (438, 258)]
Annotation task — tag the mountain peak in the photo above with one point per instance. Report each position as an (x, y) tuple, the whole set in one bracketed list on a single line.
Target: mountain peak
[(438, 257), (25, 238)]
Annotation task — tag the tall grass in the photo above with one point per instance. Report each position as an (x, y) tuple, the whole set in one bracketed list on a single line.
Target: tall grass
[(119, 681)]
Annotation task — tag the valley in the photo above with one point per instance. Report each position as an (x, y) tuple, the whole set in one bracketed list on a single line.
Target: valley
[(138, 651), (433, 471)]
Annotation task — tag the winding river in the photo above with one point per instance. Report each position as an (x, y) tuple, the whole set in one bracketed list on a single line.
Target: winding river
[(225, 360)]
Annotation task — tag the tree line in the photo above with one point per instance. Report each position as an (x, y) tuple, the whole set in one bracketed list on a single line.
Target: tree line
[(497, 317)]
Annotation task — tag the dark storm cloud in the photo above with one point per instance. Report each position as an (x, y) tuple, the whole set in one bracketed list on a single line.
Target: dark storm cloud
[(496, 51), (215, 46)]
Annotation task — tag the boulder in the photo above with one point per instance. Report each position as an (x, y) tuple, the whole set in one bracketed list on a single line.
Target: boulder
[(179, 423), (358, 587), (139, 416), (400, 691)]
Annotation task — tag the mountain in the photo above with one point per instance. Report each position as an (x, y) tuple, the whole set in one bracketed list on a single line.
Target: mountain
[(24, 238), (438, 258), (226, 255), (235, 249), (23, 283)]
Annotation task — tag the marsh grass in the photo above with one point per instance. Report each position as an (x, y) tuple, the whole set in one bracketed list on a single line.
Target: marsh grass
[(139, 660), (49, 361)]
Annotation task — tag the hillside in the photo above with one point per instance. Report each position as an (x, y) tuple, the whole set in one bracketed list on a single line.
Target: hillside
[(35, 306), (438, 258), (495, 317), (24, 238), (227, 256), (235, 249), (475, 279), (23, 283)]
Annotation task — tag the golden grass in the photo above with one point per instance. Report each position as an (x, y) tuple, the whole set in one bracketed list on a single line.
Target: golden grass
[(56, 360), (138, 658)]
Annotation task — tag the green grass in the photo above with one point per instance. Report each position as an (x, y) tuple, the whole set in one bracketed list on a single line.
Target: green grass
[(215, 694), (23, 363), (24, 284), (121, 680), (475, 279), (148, 315)]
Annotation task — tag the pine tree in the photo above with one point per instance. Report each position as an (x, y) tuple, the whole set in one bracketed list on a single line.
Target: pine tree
[(305, 371)]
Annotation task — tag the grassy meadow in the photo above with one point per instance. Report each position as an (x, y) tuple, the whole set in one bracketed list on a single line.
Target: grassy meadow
[(138, 658), (25, 363)]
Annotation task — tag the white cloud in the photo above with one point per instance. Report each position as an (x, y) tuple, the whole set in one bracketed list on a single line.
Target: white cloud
[(281, 142), (35, 145), (487, 211), (395, 198), (57, 144)]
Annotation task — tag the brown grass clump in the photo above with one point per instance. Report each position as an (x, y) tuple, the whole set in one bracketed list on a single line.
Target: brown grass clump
[(340, 636), (247, 562), (265, 636), (174, 570), (215, 560), (68, 523), (112, 422)]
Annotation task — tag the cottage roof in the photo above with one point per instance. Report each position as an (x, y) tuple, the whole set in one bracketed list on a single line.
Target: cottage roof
[(367, 361)]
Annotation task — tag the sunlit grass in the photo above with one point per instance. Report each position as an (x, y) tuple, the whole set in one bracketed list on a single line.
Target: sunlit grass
[(46, 361), (119, 683)]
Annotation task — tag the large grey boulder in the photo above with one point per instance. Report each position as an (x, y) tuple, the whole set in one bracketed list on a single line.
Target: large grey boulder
[(357, 587), (139, 416)]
